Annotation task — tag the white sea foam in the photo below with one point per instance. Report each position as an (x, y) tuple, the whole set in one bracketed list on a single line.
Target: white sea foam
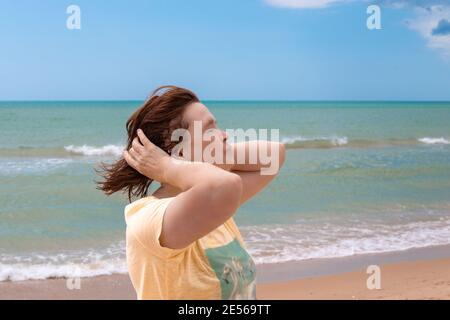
[(31, 166), (296, 242), (86, 150), (23, 271), (333, 140), (266, 243), (440, 140), (71, 264)]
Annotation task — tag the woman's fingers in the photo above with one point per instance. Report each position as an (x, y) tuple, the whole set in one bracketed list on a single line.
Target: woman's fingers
[(143, 138), (134, 154), (129, 159), (136, 145)]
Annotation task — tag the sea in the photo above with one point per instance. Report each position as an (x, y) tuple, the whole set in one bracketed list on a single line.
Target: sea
[(359, 178)]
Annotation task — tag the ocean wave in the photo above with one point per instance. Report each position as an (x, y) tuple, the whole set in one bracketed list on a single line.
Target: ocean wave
[(70, 264), (314, 142), (291, 142), (324, 142), (273, 243), (29, 160), (297, 242), (21, 271), (32, 166), (69, 151), (440, 140), (86, 150)]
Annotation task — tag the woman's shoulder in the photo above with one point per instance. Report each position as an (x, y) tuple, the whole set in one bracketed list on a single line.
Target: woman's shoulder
[(149, 203), (144, 220)]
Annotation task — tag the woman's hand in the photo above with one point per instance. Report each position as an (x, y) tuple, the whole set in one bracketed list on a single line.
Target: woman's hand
[(147, 158)]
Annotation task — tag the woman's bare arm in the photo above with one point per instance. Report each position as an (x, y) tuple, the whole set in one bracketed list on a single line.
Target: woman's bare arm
[(253, 178), (210, 195)]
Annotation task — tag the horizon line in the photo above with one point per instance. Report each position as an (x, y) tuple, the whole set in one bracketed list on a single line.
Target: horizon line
[(234, 100)]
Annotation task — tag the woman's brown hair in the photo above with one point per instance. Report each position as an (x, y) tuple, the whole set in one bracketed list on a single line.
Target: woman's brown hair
[(157, 117)]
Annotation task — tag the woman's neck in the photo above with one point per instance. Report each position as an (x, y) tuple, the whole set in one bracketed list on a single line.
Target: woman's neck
[(166, 191)]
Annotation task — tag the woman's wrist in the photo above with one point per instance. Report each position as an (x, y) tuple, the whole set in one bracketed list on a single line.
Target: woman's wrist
[(168, 166)]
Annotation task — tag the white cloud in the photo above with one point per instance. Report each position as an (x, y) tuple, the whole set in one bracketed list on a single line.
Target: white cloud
[(303, 4), (428, 15), (426, 21)]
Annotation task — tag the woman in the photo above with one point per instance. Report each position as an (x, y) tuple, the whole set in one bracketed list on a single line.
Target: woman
[(182, 241)]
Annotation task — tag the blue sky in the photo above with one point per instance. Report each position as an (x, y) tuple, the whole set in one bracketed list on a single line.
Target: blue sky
[(225, 49)]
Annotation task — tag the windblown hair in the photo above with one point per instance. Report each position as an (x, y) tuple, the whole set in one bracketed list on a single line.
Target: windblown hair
[(158, 117)]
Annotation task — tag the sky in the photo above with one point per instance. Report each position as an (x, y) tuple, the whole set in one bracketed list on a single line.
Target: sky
[(225, 49)]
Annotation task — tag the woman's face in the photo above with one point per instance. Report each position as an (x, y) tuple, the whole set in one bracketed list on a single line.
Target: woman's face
[(204, 133)]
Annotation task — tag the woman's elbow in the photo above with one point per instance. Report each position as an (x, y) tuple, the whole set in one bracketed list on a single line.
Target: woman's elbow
[(232, 189), (227, 192)]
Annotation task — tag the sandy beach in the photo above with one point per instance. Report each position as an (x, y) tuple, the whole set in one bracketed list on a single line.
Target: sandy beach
[(405, 281), (419, 279)]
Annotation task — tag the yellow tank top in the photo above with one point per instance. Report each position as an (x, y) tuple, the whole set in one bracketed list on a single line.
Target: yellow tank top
[(216, 266)]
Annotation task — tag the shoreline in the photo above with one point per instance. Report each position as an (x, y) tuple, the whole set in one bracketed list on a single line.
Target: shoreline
[(422, 273)]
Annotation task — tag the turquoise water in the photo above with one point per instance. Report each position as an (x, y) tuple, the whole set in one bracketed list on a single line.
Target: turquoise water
[(359, 177)]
